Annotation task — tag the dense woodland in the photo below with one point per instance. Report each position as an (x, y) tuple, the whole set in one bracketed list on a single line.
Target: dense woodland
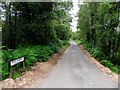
[(99, 31), (34, 30), (37, 30)]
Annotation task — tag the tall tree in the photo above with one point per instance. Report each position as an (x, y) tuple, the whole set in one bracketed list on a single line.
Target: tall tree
[(98, 24)]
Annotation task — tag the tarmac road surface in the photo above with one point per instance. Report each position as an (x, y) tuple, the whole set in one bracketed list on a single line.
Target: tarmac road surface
[(75, 71)]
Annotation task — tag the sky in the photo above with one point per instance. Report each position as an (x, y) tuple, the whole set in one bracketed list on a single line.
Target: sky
[(74, 13)]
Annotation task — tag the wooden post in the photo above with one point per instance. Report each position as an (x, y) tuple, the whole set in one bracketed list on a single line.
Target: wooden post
[(9, 69), (23, 64)]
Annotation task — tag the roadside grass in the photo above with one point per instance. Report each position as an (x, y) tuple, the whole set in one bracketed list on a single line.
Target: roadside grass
[(78, 41), (97, 54)]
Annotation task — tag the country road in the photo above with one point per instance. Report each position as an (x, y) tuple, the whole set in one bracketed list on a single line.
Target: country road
[(75, 71)]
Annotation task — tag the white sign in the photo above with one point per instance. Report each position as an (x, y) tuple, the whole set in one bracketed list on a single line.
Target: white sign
[(16, 61)]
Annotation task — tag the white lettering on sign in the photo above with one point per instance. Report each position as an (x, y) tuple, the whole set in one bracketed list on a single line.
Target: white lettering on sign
[(16, 61)]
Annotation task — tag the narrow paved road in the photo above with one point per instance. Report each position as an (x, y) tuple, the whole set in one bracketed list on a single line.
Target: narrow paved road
[(75, 71)]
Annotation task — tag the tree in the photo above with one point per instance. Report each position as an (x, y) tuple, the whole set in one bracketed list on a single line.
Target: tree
[(98, 24), (36, 23)]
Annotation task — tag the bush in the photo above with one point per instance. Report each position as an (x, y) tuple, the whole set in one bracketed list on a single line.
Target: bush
[(99, 55), (55, 48), (16, 75), (78, 41), (116, 57), (32, 54), (114, 68), (95, 52), (107, 63), (88, 46)]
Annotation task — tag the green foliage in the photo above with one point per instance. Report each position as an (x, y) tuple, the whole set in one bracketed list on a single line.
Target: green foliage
[(62, 31), (78, 41), (95, 52), (40, 23), (16, 75), (33, 30), (98, 54), (1, 23), (65, 42), (107, 63), (110, 65), (32, 54), (98, 24), (4, 70)]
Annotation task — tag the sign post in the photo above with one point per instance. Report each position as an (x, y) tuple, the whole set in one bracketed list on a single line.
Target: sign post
[(14, 62), (9, 69)]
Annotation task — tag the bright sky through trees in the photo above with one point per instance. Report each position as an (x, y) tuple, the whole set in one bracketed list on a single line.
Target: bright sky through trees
[(74, 13)]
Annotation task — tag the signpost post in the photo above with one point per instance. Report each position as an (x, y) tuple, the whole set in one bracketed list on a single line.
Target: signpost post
[(14, 62)]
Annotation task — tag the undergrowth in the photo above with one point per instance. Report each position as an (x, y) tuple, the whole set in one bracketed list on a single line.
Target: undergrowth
[(31, 54), (99, 55)]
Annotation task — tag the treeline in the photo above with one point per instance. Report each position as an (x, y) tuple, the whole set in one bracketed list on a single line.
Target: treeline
[(98, 28), (34, 30), (35, 23)]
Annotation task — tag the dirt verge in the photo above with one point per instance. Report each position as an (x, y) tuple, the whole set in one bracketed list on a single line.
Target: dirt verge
[(104, 69), (37, 71)]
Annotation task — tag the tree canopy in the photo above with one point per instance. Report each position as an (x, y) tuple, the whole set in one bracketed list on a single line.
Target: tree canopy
[(36, 23), (99, 25)]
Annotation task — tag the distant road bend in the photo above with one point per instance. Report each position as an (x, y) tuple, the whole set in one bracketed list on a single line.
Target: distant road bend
[(75, 71)]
